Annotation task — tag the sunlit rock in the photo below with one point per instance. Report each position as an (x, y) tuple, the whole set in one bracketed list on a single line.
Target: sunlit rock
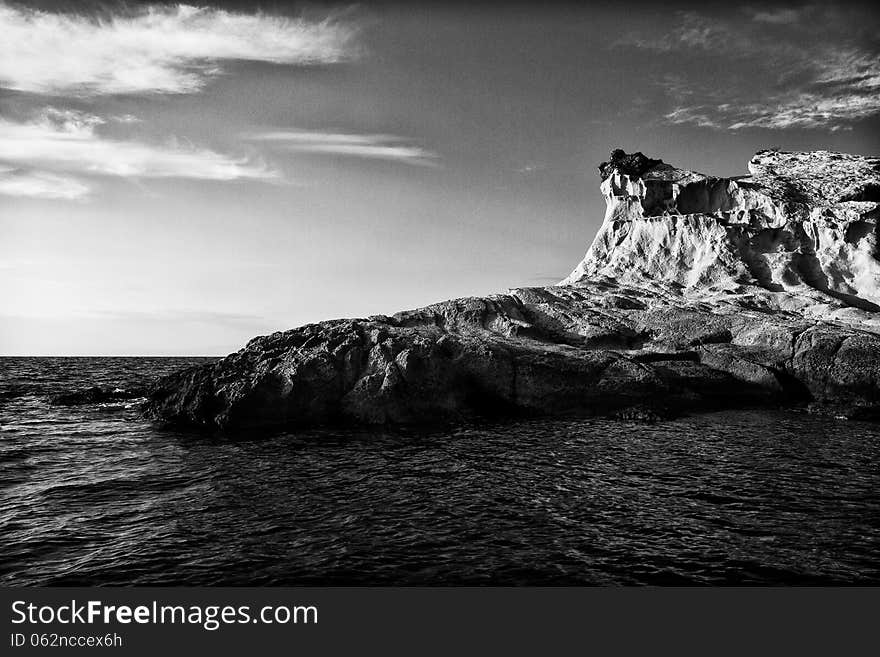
[(802, 223), (697, 293)]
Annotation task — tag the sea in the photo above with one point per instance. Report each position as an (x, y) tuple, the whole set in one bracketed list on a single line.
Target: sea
[(91, 493)]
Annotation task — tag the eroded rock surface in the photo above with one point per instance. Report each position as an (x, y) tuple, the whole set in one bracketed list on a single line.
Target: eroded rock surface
[(698, 293)]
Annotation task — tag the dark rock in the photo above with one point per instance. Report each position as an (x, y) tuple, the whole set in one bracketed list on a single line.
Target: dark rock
[(512, 354), (632, 164), (643, 414)]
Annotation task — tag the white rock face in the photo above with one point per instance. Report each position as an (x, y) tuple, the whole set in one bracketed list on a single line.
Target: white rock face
[(800, 233), (698, 293)]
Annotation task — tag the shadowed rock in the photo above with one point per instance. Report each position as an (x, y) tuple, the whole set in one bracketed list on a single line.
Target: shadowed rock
[(698, 293), (632, 164)]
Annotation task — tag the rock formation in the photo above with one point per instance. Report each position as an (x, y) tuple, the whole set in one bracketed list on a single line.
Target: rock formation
[(804, 224), (698, 293)]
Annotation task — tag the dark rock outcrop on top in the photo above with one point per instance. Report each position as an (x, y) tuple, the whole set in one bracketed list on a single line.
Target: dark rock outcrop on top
[(698, 293), (630, 164)]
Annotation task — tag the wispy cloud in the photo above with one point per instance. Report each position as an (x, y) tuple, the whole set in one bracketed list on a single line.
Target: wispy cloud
[(381, 147), (160, 49), (33, 154), (780, 16), (531, 168), (804, 67), (696, 115), (213, 317), (40, 184)]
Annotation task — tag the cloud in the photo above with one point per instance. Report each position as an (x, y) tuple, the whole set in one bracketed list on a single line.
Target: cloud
[(777, 16), (531, 168), (214, 317), (808, 110), (32, 155), (160, 49), (697, 115), (40, 184), (770, 69), (381, 147), (693, 31)]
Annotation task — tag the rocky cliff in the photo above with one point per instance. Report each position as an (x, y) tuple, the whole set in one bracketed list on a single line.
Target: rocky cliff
[(698, 293), (802, 224)]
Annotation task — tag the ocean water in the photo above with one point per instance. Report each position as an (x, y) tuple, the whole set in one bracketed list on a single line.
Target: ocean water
[(93, 494)]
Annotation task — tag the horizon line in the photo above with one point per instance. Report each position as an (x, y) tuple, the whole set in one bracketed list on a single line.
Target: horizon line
[(115, 355)]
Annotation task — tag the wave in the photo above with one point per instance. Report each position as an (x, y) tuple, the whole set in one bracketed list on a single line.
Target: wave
[(96, 395)]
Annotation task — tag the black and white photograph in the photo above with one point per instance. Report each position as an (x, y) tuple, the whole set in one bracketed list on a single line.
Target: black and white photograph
[(441, 294)]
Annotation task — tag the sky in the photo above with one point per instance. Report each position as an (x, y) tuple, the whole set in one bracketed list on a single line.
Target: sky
[(177, 179)]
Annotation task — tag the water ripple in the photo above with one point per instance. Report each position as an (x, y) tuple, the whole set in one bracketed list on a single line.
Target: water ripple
[(92, 494)]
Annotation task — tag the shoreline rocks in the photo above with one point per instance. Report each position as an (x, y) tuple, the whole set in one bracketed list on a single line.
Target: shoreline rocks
[(698, 293)]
